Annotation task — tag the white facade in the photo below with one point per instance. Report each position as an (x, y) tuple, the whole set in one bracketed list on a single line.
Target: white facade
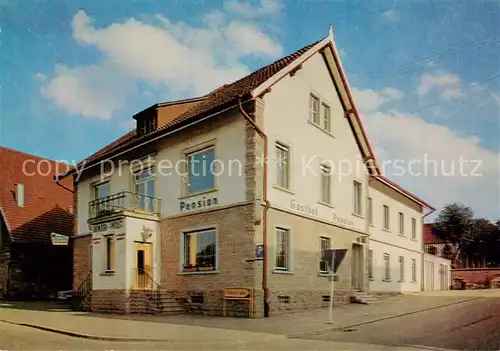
[(437, 273), (402, 246), (228, 142), (287, 121)]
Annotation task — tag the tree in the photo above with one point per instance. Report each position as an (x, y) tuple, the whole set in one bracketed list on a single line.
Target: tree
[(454, 226)]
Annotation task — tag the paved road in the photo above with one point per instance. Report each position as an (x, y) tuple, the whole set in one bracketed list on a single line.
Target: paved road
[(473, 325), (13, 337)]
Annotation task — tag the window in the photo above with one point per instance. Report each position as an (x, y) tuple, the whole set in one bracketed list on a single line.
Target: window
[(200, 171), (324, 245), (110, 253), (146, 125), (282, 166), (101, 190), (326, 117), (401, 223), (282, 249), (413, 270), (326, 183), (314, 109), (413, 228), (357, 197), (370, 210), (386, 217), (401, 261), (200, 248), (370, 264), (145, 185), (387, 267)]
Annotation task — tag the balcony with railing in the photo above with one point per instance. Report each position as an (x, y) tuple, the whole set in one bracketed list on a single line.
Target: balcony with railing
[(124, 201)]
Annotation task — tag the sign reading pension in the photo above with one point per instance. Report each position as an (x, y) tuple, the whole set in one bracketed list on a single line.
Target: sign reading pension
[(198, 204), (59, 239)]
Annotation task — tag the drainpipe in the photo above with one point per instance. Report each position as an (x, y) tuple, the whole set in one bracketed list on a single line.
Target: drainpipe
[(266, 207)]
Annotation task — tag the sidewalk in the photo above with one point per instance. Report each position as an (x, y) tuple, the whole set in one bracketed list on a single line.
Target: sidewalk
[(202, 328)]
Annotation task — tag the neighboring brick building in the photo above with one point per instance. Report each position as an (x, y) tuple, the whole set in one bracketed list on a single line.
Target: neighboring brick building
[(189, 210), (32, 208)]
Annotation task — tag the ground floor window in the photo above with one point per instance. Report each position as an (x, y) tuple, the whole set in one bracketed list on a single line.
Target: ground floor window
[(387, 267), (413, 270), (110, 254), (200, 251), (401, 261), (370, 264), (282, 249), (325, 245)]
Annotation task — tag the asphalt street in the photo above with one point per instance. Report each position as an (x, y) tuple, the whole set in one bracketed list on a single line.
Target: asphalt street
[(473, 325)]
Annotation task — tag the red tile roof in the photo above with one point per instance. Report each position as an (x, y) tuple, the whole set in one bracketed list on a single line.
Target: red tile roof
[(430, 237), (46, 205), (213, 101)]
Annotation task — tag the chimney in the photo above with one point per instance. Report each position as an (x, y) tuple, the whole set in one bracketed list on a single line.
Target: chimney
[(20, 195)]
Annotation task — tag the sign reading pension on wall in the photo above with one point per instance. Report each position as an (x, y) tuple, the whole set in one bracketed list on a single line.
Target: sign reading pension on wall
[(59, 239), (198, 204), (102, 227)]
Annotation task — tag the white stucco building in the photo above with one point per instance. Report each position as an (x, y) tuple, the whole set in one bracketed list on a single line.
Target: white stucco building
[(290, 173)]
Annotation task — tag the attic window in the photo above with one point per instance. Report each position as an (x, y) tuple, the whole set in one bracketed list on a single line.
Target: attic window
[(146, 125)]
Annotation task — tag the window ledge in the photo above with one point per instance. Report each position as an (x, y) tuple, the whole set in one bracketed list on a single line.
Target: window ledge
[(402, 235), (323, 274), (401, 281), (321, 128), (414, 281), (326, 204), (371, 225), (415, 240), (198, 273), (107, 273), (185, 196), (386, 230), (278, 271), (359, 215), (283, 189), (386, 280), (371, 279)]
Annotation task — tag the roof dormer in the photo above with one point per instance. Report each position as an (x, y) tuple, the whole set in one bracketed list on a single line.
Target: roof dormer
[(147, 121)]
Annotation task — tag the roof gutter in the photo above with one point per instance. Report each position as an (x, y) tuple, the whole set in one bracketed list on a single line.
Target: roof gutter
[(266, 207), (95, 163)]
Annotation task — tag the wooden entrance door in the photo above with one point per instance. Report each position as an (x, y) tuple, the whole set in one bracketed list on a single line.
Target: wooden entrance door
[(357, 267), (143, 272)]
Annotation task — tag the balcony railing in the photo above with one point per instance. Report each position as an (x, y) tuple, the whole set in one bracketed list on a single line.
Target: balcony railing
[(124, 201)]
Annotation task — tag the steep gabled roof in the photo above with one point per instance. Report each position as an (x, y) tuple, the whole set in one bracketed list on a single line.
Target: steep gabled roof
[(46, 206)]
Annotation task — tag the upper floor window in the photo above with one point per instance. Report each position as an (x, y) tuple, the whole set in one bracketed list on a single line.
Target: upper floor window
[(200, 175), (324, 246), (145, 185), (386, 217), (326, 181), (200, 250), (101, 190), (282, 249), (314, 109), (282, 166), (357, 197), (146, 125), (326, 117), (401, 223), (413, 228), (370, 210)]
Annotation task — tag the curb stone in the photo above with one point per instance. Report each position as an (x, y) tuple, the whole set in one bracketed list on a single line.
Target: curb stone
[(84, 336), (342, 327)]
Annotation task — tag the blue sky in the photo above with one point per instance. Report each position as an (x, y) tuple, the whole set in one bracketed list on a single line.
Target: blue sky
[(74, 72)]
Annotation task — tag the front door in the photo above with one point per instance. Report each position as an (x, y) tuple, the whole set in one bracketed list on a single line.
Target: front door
[(357, 267), (143, 272)]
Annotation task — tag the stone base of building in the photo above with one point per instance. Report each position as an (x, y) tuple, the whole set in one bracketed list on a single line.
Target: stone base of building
[(295, 301), (208, 303)]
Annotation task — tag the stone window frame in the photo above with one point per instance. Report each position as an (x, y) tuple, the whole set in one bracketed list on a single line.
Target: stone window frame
[(370, 264), (325, 183), (182, 234), (197, 148), (401, 265), (414, 270), (289, 265), (401, 217), (357, 196), (109, 257), (369, 210), (414, 228), (287, 176), (386, 220), (387, 267), (314, 114), (321, 238)]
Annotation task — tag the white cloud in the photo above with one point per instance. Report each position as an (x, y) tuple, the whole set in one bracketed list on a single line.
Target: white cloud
[(429, 82), (40, 76), (400, 136), (451, 93), (265, 8), (496, 98), (391, 15), (183, 59), (369, 100)]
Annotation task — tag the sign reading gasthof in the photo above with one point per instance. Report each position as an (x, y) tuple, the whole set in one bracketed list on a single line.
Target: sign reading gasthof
[(236, 293)]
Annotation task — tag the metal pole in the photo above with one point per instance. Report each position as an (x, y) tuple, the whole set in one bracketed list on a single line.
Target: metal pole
[(332, 276)]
